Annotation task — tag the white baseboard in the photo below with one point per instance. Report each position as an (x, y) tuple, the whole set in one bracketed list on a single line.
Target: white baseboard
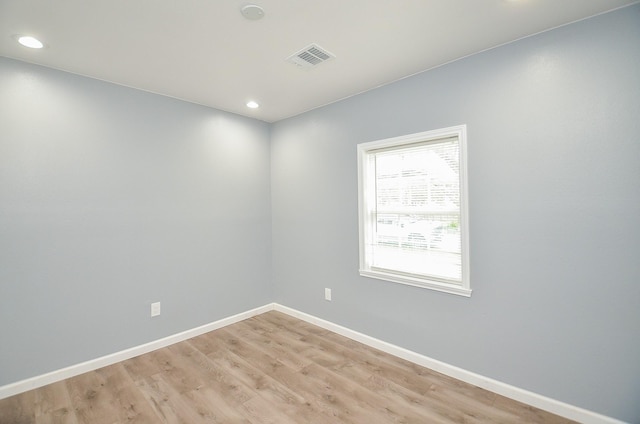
[(551, 405), (94, 364), (542, 402)]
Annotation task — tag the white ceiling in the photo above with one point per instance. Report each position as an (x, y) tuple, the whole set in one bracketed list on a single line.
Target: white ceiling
[(205, 51)]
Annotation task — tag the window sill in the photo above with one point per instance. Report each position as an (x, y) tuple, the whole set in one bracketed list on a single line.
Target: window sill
[(417, 282)]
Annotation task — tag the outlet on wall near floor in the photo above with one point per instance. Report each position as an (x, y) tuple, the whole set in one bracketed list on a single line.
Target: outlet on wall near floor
[(327, 294), (155, 309)]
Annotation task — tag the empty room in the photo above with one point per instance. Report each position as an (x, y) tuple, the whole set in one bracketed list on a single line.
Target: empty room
[(319, 211)]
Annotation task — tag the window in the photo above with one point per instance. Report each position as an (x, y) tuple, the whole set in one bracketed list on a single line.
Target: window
[(413, 210)]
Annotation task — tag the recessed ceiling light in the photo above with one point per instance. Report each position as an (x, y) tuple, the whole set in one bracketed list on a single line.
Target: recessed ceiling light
[(252, 104), (31, 42)]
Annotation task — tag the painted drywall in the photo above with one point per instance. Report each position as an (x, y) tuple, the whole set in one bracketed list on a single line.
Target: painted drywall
[(554, 182), (113, 198)]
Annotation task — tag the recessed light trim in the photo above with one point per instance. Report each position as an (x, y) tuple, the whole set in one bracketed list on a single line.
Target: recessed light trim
[(253, 105), (29, 41)]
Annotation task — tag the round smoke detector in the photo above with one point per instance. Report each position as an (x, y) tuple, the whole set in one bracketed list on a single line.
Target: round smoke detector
[(252, 12)]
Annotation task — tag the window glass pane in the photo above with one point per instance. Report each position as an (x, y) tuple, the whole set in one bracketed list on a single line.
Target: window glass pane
[(417, 210)]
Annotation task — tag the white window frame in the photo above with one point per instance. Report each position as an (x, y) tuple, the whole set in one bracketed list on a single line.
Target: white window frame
[(365, 191)]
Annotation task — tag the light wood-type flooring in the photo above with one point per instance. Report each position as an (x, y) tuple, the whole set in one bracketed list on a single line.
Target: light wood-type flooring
[(271, 368)]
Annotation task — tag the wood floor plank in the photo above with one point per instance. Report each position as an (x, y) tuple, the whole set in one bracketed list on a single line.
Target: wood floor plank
[(108, 395), (319, 395), (229, 395), (261, 383), (207, 395), (18, 409), (207, 343), (288, 353), (167, 403), (401, 385), (476, 403), (339, 388), (52, 405), (271, 368), (288, 402), (394, 374), (379, 392)]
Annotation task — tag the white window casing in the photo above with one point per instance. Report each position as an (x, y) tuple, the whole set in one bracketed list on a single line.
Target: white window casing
[(413, 210)]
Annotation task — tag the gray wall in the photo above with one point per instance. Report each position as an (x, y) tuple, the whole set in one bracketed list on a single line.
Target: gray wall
[(554, 171), (112, 198)]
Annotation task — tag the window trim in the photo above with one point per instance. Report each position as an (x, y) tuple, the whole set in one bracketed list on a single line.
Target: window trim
[(364, 149)]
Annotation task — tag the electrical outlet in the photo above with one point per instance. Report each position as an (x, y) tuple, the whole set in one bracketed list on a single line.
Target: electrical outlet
[(327, 294), (155, 309)]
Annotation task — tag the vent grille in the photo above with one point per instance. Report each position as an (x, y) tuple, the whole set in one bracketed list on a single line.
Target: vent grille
[(311, 55)]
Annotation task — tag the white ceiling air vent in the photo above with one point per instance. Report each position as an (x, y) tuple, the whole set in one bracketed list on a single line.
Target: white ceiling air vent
[(311, 55)]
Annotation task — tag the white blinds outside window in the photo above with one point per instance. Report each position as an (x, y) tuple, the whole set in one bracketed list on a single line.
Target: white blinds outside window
[(412, 205)]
